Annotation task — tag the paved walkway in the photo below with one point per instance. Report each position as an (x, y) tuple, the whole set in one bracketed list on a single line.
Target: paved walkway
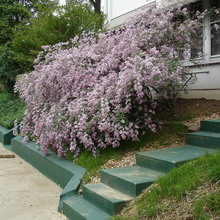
[(26, 194)]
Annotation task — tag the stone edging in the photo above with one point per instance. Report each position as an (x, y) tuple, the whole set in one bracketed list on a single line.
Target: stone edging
[(63, 172)]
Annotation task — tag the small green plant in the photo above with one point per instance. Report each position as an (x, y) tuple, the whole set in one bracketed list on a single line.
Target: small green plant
[(93, 164)]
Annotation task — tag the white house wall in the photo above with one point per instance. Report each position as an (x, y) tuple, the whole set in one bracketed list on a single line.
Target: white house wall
[(118, 20), (169, 3), (115, 9), (207, 84), (120, 7)]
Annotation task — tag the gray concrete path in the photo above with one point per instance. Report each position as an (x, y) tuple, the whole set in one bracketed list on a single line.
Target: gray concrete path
[(26, 194)]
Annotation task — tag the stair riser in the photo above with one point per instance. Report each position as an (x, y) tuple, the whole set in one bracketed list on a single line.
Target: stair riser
[(203, 141), (71, 213), (124, 186), (102, 203), (210, 126), (77, 208), (155, 164)]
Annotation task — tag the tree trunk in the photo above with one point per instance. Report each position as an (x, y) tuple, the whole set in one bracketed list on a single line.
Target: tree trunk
[(97, 5)]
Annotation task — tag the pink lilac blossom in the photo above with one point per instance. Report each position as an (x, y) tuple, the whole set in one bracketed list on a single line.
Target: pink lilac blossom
[(93, 92)]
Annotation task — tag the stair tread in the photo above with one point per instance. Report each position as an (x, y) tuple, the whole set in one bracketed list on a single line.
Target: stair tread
[(108, 193), (85, 209), (205, 133), (134, 174), (178, 154)]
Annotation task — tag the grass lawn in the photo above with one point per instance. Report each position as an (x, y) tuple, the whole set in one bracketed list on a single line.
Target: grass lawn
[(10, 109), (189, 192)]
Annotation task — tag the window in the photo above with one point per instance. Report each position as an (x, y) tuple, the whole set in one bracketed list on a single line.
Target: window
[(198, 47), (211, 40), (215, 32)]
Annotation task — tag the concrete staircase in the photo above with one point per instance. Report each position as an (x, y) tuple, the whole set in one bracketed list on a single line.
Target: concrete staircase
[(120, 185)]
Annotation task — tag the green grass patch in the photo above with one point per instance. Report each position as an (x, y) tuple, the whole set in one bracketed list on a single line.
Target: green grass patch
[(93, 164), (10, 109), (165, 136), (175, 185), (207, 205)]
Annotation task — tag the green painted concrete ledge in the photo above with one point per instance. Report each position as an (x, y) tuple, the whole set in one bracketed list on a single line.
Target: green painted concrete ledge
[(61, 171), (6, 135)]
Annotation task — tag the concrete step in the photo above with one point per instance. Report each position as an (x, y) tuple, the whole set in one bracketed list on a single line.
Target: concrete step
[(79, 209), (106, 198), (129, 180), (204, 139), (210, 126), (165, 159)]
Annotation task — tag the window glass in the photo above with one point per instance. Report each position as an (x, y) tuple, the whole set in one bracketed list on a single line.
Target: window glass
[(215, 4), (215, 31), (215, 39), (196, 6), (197, 45)]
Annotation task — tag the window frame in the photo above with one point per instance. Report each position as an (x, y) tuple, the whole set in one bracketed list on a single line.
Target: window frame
[(207, 57)]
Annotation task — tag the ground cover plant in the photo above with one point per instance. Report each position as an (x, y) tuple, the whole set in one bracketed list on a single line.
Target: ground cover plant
[(189, 192), (99, 91), (11, 109)]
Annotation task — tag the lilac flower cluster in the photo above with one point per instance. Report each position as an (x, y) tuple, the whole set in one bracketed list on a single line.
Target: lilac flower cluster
[(98, 91)]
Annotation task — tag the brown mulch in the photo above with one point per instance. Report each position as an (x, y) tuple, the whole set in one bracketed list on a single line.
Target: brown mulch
[(198, 109)]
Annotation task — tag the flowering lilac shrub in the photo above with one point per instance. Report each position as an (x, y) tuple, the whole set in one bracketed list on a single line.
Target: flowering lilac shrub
[(98, 91)]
